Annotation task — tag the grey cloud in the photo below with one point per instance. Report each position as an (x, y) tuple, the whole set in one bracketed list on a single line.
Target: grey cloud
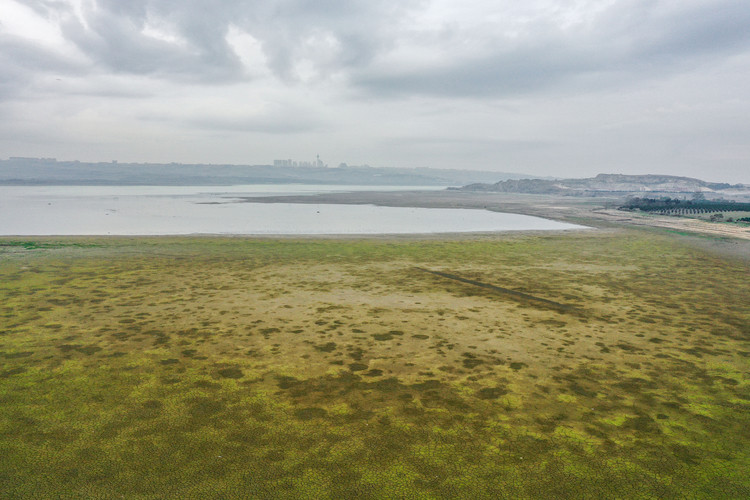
[(361, 28), (265, 124), (279, 119), (468, 143), (45, 8), (627, 86), (638, 38), (632, 39), (477, 152), (21, 60), (112, 33), (513, 72), (647, 35), (114, 39)]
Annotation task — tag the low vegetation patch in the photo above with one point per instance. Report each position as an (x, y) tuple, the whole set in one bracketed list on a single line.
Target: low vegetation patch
[(241, 368)]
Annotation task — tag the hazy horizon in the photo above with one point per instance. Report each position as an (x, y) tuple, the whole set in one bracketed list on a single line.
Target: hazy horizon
[(542, 88)]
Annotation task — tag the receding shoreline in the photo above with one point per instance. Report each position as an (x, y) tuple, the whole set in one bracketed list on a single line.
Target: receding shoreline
[(593, 213)]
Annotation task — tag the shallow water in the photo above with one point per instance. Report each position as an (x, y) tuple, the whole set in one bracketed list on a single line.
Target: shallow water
[(174, 210)]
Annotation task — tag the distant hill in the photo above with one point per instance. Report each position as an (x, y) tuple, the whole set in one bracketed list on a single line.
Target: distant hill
[(48, 171), (605, 184)]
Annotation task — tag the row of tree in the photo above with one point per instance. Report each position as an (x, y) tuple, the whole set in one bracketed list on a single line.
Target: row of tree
[(676, 206)]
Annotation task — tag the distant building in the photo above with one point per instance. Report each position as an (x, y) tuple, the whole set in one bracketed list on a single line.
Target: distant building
[(291, 163), (33, 160)]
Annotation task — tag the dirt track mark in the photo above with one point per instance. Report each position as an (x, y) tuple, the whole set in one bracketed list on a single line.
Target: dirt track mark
[(506, 291)]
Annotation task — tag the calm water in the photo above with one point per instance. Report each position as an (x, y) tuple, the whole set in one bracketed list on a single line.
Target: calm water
[(163, 210)]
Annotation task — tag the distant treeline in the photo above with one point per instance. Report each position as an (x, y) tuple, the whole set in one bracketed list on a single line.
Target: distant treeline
[(683, 207)]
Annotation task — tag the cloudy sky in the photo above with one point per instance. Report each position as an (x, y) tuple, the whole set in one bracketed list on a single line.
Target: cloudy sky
[(564, 88)]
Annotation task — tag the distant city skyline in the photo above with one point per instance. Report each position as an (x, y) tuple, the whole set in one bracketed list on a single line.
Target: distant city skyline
[(290, 163), (301, 163), (546, 88)]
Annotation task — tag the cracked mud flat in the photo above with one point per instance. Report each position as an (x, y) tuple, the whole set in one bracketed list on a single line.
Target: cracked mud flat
[(329, 368)]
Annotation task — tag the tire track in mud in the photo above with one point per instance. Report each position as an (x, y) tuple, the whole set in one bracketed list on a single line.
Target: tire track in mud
[(524, 297)]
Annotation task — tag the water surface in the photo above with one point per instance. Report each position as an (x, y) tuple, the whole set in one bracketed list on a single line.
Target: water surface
[(175, 210)]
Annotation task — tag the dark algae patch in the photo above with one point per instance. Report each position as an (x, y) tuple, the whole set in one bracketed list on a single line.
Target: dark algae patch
[(232, 372), (491, 392), (310, 413), (331, 368)]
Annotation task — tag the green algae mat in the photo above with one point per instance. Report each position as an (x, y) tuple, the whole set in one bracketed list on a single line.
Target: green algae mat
[(241, 368)]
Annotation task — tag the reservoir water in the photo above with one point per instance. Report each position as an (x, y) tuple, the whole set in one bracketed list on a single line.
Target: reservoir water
[(181, 210)]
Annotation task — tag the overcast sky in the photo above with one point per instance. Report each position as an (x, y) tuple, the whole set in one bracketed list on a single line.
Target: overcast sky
[(564, 88)]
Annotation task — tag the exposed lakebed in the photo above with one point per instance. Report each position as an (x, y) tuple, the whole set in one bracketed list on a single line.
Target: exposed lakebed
[(174, 210)]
